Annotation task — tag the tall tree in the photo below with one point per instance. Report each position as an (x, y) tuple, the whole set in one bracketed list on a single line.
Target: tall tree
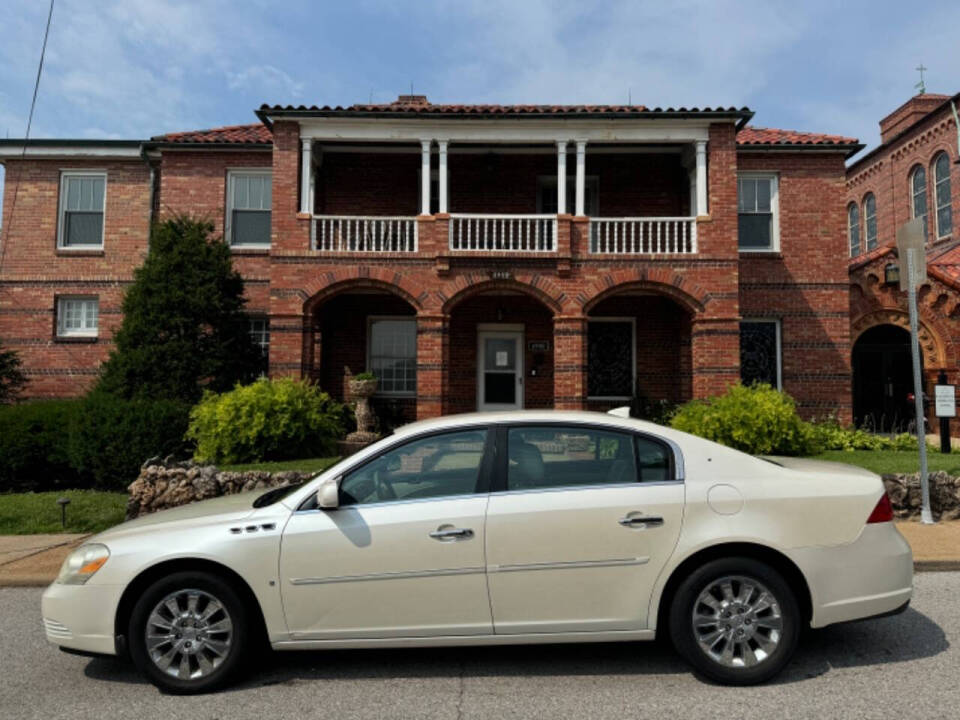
[(184, 327), (12, 379)]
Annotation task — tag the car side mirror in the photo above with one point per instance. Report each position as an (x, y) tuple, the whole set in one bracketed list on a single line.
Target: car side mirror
[(328, 494)]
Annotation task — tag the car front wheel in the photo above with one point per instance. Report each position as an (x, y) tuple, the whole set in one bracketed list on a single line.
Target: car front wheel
[(736, 620), (188, 632)]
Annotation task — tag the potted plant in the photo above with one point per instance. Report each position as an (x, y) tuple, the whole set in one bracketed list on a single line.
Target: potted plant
[(362, 388)]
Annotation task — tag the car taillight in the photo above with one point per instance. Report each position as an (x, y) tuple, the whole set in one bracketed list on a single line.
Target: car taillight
[(883, 512)]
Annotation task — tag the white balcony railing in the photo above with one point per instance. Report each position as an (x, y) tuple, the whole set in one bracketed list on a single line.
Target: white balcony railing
[(503, 233), (352, 233), (643, 236)]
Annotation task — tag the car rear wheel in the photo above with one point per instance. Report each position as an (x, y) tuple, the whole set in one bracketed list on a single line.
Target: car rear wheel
[(736, 620), (188, 632)]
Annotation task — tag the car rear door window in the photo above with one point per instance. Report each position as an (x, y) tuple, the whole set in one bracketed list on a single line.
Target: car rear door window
[(441, 465)]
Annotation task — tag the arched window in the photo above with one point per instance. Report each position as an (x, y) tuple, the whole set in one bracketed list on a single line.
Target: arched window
[(853, 229), (941, 173), (870, 220), (918, 189)]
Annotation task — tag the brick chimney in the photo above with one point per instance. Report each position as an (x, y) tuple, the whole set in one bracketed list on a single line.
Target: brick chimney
[(911, 112), (413, 101)]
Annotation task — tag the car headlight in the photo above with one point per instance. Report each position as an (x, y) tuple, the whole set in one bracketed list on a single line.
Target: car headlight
[(82, 563)]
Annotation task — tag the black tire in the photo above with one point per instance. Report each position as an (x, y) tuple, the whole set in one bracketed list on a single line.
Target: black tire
[(227, 665), (686, 641)]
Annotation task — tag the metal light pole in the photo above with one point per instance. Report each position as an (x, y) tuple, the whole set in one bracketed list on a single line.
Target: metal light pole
[(910, 246)]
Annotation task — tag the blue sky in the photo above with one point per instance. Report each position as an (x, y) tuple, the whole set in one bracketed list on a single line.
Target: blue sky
[(135, 68)]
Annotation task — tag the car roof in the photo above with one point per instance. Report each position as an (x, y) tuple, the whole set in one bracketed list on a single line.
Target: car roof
[(447, 422)]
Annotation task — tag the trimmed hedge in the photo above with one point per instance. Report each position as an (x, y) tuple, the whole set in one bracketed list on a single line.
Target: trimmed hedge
[(98, 441), (281, 419)]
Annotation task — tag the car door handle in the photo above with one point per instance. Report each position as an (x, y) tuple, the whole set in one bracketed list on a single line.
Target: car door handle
[(640, 522), (449, 534)]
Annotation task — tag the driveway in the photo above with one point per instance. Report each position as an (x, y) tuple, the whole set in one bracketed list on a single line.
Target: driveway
[(904, 667)]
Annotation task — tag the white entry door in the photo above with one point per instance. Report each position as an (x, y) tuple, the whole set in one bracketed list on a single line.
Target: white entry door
[(500, 370)]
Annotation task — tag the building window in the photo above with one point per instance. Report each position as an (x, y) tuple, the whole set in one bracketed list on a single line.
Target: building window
[(547, 195), (760, 352), (392, 355), (259, 329), (757, 205), (611, 359), (82, 203), (941, 169), (853, 228), (870, 220), (248, 208), (918, 189), (78, 316)]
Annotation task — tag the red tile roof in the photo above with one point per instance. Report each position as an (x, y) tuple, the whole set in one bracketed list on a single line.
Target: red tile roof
[(751, 135), (946, 261), (255, 133)]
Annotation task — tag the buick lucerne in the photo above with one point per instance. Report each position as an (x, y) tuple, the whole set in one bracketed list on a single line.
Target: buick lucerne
[(496, 528)]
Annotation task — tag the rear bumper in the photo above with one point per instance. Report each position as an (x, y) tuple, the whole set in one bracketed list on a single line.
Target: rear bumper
[(872, 576), (81, 617)]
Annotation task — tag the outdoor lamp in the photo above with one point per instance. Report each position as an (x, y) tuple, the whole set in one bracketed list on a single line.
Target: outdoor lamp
[(891, 274)]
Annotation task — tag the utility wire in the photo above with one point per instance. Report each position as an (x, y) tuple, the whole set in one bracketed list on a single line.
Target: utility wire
[(23, 154)]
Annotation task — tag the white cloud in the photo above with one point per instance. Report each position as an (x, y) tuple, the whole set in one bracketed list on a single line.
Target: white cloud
[(266, 80)]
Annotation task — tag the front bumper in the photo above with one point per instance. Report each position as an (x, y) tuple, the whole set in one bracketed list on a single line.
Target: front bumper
[(871, 576), (81, 617)]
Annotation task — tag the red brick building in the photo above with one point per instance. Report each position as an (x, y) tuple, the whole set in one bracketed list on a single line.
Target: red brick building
[(433, 245), (912, 173)]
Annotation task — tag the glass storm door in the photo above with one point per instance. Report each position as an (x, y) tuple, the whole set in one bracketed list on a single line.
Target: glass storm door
[(500, 370)]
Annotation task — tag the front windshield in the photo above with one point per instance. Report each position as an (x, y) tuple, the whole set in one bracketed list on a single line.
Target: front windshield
[(276, 494)]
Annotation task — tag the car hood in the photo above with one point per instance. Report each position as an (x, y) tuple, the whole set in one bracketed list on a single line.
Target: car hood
[(226, 508)]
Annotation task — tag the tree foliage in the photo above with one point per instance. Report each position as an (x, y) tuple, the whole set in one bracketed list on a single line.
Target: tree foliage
[(12, 379), (184, 327)]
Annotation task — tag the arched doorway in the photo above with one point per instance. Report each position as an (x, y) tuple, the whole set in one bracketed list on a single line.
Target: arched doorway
[(501, 351), (638, 353), (883, 379), (365, 328)]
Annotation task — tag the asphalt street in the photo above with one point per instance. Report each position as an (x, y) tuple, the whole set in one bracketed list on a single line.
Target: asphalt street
[(906, 666)]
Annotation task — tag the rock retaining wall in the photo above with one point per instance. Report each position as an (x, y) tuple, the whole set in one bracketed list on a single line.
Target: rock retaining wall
[(166, 484), (904, 492)]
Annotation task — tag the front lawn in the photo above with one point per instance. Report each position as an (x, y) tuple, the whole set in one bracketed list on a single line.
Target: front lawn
[(89, 511), (315, 465), (894, 461)]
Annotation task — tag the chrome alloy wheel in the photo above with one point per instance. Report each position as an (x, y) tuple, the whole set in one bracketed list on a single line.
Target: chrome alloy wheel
[(188, 634), (737, 621)]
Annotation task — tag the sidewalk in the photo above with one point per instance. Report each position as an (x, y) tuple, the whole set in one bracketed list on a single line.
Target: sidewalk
[(35, 560)]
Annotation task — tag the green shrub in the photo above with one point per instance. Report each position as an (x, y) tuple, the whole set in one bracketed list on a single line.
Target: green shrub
[(755, 419), (829, 434), (111, 437), (33, 446), (364, 376), (267, 420)]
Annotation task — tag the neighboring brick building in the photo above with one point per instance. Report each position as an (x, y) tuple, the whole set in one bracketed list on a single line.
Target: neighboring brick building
[(912, 173), (433, 245)]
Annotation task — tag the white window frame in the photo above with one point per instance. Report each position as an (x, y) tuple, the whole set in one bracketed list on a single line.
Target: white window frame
[(63, 332), (62, 214), (777, 323), (633, 354), (371, 319), (853, 206), (866, 223), (774, 179), (228, 220), (936, 194)]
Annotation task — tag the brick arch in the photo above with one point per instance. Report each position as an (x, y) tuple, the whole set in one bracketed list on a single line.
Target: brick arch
[(689, 296), (327, 285), (931, 337), (467, 286)]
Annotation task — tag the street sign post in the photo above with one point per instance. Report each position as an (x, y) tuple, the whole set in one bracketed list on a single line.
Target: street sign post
[(911, 249)]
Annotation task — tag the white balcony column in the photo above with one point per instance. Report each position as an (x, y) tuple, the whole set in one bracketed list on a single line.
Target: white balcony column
[(561, 176), (306, 176), (581, 176), (425, 176), (701, 146), (442, 180)]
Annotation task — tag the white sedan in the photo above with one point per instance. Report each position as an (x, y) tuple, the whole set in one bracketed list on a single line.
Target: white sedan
[(496, 528)]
